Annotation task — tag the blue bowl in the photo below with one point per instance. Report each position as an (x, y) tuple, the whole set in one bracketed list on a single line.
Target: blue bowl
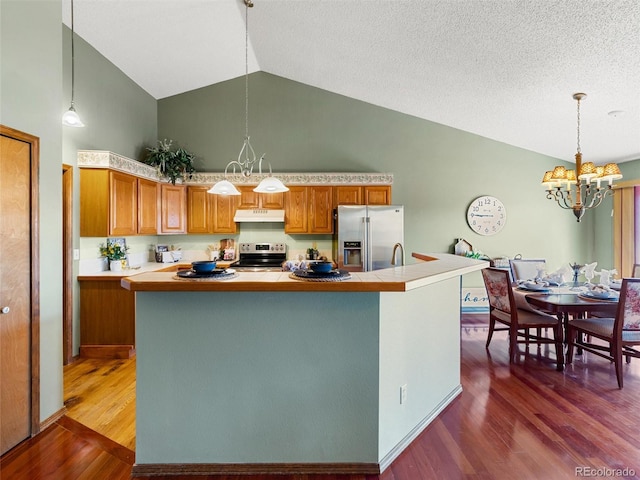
[(321, 267), (205, 266)]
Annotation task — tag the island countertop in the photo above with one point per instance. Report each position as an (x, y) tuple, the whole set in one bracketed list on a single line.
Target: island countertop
[(433, 268)]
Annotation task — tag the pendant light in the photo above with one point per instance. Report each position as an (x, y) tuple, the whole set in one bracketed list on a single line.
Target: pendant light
[(247, 156), (70, 117)]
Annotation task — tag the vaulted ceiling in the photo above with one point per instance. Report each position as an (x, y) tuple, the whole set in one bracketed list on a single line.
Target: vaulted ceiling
[(503, 69)]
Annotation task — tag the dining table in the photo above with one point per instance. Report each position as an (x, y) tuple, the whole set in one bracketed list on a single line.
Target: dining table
[(565, 303)]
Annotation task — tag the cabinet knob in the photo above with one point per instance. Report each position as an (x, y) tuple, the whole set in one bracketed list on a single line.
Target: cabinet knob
[(5, 310)]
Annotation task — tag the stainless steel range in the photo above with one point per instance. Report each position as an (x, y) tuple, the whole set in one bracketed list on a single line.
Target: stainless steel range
[(261, 257)]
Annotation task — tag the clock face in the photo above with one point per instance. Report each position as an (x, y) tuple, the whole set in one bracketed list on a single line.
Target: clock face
[(486, 215)]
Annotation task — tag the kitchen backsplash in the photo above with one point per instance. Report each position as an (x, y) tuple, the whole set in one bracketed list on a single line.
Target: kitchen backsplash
[(195, 247)]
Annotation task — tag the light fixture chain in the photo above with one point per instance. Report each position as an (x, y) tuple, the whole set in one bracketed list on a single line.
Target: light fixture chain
[(246, 69), (73, 61), (578, 129)]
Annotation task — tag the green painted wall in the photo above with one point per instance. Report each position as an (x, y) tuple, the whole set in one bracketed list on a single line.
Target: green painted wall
[(31, 99), (438, 170), (119, 116)]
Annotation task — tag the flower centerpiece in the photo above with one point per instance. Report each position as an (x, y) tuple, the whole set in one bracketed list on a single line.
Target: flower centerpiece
[(173, 165), (115, 253)]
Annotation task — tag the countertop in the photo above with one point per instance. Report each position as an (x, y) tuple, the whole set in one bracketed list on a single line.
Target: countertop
[(144, 268), (431, 268)]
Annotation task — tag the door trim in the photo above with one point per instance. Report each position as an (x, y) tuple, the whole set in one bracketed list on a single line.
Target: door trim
[(67, 264), (34, 143)]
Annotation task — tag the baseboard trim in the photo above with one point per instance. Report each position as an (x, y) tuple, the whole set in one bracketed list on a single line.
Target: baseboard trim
[(248, 469), (107, 351), (47, 422), (418, 429)]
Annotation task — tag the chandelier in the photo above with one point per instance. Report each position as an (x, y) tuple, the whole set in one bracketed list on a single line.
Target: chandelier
[(247, 157), (70, 117), (589, 190)]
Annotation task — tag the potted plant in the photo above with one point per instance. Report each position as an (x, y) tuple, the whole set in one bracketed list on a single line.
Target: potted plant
[(173, 165), (115, 253)]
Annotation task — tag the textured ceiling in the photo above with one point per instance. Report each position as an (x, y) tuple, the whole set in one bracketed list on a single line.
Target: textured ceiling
[(503, 69)]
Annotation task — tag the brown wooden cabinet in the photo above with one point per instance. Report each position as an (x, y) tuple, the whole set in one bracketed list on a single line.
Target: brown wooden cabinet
[(348, 195), (173, 208), (147, 207), (250, 199), (377, 195), (308, 210), (295, 210), (107, 319), (108, 203), (224, 209), (199, 210), (362, 195), (320, 209)]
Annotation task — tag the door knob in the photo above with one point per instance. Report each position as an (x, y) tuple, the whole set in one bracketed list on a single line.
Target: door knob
[(5, 310)]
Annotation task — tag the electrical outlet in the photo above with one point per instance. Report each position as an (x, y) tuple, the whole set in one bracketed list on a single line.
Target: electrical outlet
[(76, 254), (403, 394)]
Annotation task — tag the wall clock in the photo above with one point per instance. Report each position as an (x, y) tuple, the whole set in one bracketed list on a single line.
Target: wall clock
[(486, 215)]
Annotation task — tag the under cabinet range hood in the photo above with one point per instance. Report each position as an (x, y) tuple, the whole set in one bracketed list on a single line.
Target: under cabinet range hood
[(259, 215)]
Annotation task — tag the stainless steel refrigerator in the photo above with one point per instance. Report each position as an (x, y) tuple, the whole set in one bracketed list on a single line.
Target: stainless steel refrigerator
[(366, 236)]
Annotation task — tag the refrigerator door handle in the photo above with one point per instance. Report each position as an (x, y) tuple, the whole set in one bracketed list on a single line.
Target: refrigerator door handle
[(368, 256)]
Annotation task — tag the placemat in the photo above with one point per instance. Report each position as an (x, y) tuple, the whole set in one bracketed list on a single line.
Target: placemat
[(344, 275), (216, 278)]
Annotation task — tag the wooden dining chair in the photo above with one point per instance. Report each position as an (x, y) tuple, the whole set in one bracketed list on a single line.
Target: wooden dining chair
[(526, 268), (620, 334), (518, 322)]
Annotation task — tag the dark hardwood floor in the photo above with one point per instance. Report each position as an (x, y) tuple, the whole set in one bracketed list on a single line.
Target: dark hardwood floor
[(524, 421)]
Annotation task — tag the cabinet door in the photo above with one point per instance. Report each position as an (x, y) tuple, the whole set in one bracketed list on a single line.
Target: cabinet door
[(377, 195), (199, 211), (173, 208), (347, 195), (320, 209), (295, 210), (224, 208), (147, 207), (123, 204), (248, 198), (272, 201), (94, 202)]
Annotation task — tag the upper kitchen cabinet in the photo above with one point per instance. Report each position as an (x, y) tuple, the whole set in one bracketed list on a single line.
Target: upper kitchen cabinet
[(362, 195), (207, 213), (347, 195), (147, 207), (224, 209), (199, 210), (308, 210), (377, 195), (108, 203), (250, 199), (173, 208), (295, 210), (320, 209)]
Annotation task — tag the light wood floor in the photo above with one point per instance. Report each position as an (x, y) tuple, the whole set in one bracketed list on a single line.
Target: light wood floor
[(524, 421), (101, 394)]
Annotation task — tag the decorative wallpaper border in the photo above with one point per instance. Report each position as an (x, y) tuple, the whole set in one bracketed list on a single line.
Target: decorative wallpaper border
[(106, 159)]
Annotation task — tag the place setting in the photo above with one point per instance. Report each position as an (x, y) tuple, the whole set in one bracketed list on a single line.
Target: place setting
[(205, 270), (320, 272)]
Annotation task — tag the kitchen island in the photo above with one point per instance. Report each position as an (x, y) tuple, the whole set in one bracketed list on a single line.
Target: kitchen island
[(263, 373)]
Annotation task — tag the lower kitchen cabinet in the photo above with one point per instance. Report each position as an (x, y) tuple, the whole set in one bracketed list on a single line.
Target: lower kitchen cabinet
[(107, 319)]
